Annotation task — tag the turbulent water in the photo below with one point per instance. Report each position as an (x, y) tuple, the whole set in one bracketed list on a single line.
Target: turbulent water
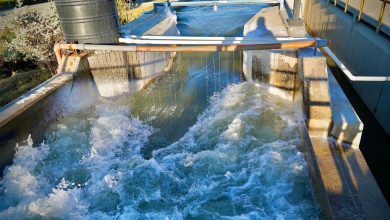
[(207, 20), (198, 144), (239, 160)]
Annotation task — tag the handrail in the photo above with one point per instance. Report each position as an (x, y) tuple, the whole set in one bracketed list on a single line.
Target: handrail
[(381, 13), (188, 40), (346, 6), (348, 73), (361, 9), (265, 44), (220, 2)]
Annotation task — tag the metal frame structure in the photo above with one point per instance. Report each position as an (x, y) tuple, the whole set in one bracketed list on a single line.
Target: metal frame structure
[(209, 46), (190, 40), (348, 73), (220, 2), (381, 13), (361, 9)]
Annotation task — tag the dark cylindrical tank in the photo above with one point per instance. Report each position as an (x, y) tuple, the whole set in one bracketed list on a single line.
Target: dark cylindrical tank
[(89, 21)]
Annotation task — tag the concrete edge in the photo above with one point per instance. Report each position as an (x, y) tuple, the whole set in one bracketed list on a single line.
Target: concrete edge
[(341, 179), (21, 104), (69, 67), (347, 128)]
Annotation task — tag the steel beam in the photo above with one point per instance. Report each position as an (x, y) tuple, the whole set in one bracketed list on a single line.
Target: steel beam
[(194, 47), (178, 40), (230, 2)]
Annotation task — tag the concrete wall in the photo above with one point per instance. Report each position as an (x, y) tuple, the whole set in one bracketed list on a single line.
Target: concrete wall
[(363, 51), (266, 23), (117, 73)]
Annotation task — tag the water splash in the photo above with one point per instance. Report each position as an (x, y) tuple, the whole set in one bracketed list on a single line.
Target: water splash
[(240, 160)]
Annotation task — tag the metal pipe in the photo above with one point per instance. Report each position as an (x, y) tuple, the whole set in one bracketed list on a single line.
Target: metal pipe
[(260, 45), (200, 3), (196, 38), (210, 41), (382, 12), (349, 74), (346, 5), (361, 9), (191, 48)]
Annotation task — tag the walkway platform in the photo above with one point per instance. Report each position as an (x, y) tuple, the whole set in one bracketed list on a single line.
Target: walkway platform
[(370, 14)]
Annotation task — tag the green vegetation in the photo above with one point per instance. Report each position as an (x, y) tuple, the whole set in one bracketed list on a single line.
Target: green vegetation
[(20, 83), (7, 4), (129, 11), (26, 52), (26, 45)]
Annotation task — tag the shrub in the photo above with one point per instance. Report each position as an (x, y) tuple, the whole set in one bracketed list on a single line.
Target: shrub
[(19, 3), (129, 10), (20, 83), (34, 36)]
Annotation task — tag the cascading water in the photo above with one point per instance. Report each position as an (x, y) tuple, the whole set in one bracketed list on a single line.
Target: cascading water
[(197, 144)]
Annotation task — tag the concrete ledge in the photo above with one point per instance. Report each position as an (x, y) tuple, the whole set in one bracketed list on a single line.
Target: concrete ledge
[(362, 184), (266, 23), (340, 177), (362, 50), (331, 189), (347, 127), (18, 106), (342, 181), (277, 68), (70, 66), (313, 73), (118, 73)]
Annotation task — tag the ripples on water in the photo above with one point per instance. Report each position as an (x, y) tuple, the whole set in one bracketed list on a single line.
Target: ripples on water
[(205, 21), (196, 145), (239, 160)]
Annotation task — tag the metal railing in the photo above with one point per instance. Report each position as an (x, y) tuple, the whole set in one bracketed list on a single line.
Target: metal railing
[(195, 44), (381, 13), (361, 9), (348, 73)]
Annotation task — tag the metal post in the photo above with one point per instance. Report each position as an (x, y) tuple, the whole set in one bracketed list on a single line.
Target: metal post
[(346, 5), (361, 9), (296, 20), (378, 27)]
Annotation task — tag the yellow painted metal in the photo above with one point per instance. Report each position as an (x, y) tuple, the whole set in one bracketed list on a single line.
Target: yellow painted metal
[(361, 9), (346, 5), (382, 12)]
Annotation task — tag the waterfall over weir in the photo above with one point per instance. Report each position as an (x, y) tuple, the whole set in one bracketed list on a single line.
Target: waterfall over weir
[(198, 143)]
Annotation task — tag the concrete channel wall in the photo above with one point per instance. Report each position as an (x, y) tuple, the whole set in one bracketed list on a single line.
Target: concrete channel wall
[(342, 182), (117, 73), (362, 50)]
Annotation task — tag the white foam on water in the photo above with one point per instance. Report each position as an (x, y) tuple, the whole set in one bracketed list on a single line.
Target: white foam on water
[(238, 161)]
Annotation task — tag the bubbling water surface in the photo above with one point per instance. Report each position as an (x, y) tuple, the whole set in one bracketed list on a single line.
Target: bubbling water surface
[(197, 144), (240, 160)]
